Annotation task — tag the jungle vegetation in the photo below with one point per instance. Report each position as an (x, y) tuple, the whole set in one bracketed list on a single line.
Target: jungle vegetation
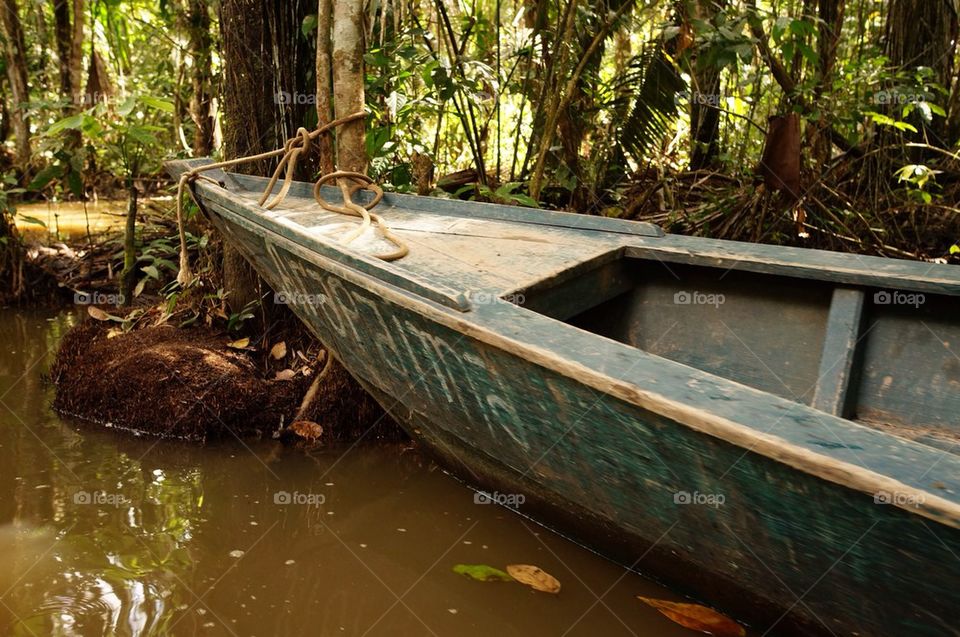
[(822, 123)]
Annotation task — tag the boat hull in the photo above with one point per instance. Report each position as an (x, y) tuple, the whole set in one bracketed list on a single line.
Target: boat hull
[(785, 550)]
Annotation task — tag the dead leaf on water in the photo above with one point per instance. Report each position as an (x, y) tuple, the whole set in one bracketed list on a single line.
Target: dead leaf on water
[(697, 617), (279, 350), (286, 374), (239, 344), (534, 577), (307, 429), (97, 314), (482, 573)]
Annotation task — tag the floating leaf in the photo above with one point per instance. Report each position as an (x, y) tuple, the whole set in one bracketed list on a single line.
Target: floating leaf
[(482, 573), (286, 374), (307, 429), (279, 350), (97, 314), (534, 577), (240, 343), (697, 617)]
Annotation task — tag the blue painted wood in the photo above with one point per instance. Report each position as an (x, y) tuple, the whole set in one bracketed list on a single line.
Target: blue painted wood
[(910, 375), (746, 499), (839, 352)]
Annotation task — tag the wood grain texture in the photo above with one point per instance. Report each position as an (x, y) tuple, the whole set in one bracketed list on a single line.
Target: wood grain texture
[(844, 329)]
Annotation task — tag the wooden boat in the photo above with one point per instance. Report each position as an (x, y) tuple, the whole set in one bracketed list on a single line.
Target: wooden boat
[(770, 430)]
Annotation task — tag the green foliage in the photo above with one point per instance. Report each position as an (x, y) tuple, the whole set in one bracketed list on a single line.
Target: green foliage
[(126, 134), (469, 87), (656, 82)]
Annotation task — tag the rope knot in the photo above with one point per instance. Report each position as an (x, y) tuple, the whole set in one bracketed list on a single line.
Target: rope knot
[(291, 151)]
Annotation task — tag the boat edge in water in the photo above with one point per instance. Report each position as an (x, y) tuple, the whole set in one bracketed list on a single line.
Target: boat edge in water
[(803, 549)]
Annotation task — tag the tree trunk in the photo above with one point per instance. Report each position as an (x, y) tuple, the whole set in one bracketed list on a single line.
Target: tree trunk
[(4, 112), (128, 278), (42, 39), (923, 33), (831, 25), (63, 32), (704, 97), (201, 46), (11, 261), (69, 37), (76, 46), (17, 74), (348, 83), (325, 81), (266, 63)]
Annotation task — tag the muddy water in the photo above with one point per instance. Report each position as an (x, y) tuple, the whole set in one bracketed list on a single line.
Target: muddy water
[(69, 219), (103, 534)]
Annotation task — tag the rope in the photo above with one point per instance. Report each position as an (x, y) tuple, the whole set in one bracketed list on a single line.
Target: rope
[(291, 151)]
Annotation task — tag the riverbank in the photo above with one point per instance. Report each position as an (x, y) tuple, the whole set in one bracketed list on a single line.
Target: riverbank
[(200, 384)]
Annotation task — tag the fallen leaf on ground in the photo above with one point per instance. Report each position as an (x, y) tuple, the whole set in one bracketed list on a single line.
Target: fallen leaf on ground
[(286, 374), (307, 429), (482, 573), (279, 350), (239, 344), (97, 314), (534, 577), (697, 617)]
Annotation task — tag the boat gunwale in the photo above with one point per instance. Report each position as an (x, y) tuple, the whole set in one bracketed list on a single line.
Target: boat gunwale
[(759, 259), (790, 261), (476, 324), (474, 209)]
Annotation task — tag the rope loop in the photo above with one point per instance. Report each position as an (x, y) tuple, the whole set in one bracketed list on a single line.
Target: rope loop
[(368, 184), (350, 183)]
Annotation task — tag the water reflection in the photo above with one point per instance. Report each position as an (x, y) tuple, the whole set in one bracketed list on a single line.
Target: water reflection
[(106, 534)]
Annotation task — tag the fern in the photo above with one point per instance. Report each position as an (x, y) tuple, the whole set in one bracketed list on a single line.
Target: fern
[(650, 86)]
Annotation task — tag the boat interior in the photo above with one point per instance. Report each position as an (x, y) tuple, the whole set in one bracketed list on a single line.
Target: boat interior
[(885, 358)]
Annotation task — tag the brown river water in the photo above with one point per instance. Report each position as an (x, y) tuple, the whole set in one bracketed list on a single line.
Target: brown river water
[(102, 533), (50, 221)]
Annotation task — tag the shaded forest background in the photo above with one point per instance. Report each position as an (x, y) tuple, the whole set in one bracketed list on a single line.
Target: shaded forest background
[(820, 123)]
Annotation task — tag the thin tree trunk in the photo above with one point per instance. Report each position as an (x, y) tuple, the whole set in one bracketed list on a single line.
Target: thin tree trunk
[(42, 41), (17, 74), (128, 277), (4, 111), (201, 45), (348, 83), (69, 41), (76, 46), (831, 14), (11, 261), (324, 81), (63, 36), (704, 98)]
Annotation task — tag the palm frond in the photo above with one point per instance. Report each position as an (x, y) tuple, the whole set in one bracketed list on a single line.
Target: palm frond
[(651, 85)]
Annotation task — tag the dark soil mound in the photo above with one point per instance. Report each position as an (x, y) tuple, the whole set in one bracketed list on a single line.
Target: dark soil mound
[(187, 383)]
